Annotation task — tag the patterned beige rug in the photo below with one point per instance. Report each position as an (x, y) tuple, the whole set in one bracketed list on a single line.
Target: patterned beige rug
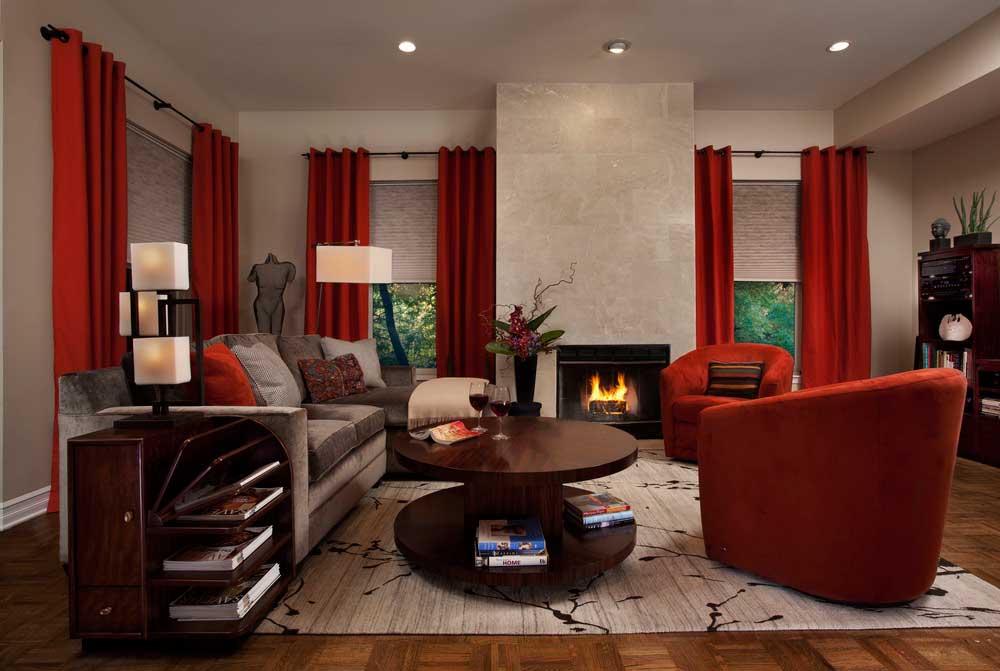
[(356, 582)]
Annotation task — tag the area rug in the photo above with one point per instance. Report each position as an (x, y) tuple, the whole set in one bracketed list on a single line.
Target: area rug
[(356, 582)]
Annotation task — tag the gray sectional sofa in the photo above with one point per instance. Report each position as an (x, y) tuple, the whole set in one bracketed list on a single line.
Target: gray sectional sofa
[(337, 449)]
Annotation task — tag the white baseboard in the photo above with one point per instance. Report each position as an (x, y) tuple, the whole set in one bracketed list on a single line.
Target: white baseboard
[(23, 508)]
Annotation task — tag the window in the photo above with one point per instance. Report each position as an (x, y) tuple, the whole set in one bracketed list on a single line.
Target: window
[(766, 263), (404, 219)]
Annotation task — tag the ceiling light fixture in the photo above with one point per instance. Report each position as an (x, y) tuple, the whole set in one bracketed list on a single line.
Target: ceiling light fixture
[(616, 47), (407, 47), (838, 46)]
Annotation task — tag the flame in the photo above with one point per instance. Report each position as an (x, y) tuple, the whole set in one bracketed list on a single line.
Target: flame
[(616, 393)]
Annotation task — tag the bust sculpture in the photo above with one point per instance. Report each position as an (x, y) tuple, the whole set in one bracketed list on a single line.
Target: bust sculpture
[(271, 278)]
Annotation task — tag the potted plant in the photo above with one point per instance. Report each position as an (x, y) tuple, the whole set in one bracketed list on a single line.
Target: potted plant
[(521, 337), (976, 223)]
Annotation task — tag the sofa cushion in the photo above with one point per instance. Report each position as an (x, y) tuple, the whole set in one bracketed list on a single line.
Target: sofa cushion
[(736, 379), (329, 441), (269, 375), (394, 400), (366, 353), (226, 382), (246, 340), (686, 408), (295, 348), (368, 420), (324, 379)]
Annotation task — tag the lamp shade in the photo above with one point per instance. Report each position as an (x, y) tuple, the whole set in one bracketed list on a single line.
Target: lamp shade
[(353, 264), (149, 316), (162, 360), (160, 265)]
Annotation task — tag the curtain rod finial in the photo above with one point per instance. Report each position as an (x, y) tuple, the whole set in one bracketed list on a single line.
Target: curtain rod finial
[(49, 31)]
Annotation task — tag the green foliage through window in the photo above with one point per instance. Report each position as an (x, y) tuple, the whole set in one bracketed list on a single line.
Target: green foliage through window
[(405, 336), (765, 313)]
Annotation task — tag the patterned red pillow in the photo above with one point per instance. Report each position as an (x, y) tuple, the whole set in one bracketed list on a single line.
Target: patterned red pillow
[(328, 379)]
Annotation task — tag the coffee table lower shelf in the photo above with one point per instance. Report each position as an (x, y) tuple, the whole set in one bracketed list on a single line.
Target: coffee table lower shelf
[(431, 533)]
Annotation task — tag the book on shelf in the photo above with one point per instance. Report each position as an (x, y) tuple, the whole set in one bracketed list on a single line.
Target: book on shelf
[(609, 524), (606, 517), (203, 495), (519, 535), (446, 434), (990, 406), (541, 559), (223, 555), (227, 603), (236, 508), (603, 503), (933, 356)]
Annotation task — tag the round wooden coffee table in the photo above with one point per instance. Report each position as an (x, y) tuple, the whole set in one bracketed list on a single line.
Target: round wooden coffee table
[(520, 477)]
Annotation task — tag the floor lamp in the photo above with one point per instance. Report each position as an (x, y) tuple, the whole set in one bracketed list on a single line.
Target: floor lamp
[(350, 263)]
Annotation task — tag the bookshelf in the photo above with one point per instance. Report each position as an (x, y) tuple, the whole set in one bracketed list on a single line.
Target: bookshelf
[(123, 487), (965, 280)]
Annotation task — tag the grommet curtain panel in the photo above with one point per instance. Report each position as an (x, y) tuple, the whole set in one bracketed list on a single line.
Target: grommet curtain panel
[(337, 212), (714, 291), (466, 260), (89, 213), (836, 290), (215, 229)]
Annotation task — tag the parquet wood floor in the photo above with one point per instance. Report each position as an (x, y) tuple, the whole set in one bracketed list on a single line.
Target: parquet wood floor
[(33, 626)]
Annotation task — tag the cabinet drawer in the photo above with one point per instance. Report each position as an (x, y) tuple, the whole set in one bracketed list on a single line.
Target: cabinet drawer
[(107, 512), (108, 610)]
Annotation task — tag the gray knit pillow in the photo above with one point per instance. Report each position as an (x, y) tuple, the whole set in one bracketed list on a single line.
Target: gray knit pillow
[(269, 376)]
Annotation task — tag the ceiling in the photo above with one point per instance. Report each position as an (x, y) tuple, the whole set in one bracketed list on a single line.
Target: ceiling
[(741, 54)]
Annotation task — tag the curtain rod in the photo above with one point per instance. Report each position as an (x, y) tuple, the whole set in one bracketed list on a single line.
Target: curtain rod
[(403, 154), (761, 153), (49, 32)]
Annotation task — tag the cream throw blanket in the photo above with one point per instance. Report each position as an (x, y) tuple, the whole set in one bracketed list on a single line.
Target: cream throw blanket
[(441, 400)]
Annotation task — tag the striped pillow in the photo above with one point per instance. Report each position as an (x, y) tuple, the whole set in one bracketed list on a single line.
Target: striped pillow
[(739, 380), (269, 376)]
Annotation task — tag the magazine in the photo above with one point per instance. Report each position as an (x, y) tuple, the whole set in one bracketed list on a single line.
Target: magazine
[(603, 503), (237, 508), (225, 555), (199, 497), (229, 603), (446, 434)]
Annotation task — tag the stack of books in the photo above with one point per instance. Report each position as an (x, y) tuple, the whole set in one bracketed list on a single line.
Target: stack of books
[(228, 603), (990, 406), (223, 555), (932, 357), (510, 543), (597, 511)]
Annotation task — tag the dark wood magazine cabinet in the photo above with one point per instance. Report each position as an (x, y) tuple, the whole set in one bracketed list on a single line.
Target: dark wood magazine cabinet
[(123, 484)]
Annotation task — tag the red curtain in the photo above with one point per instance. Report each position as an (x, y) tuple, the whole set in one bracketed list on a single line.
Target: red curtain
[(713, 194), (215, 228), (89, 212), (466, 260), (338, 212), (836, 294)]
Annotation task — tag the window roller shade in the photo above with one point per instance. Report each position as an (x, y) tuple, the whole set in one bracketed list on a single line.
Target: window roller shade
[(404, 219), (766, 231)]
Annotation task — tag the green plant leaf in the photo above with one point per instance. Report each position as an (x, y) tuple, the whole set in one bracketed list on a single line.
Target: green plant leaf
[(498, 348), (537, 321), (503, 326), (549, 336)]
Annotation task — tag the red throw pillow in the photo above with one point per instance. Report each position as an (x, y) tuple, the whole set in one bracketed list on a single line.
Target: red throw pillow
[(226, 382), (328, 379)]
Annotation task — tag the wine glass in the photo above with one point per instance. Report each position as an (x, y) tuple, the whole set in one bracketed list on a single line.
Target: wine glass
[(478, 400), (500, 405)]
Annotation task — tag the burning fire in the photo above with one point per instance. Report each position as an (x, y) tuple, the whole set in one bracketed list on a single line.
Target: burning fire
[(608, 400)]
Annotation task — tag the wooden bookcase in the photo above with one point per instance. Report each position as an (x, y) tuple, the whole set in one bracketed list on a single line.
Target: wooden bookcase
[(122, 486), (966, 280)]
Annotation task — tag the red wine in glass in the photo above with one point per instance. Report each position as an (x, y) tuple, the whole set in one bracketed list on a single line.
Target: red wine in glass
[(500, 408), (500, 405), (478, 399)]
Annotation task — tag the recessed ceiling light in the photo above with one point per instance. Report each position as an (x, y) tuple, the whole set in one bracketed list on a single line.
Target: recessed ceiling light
[(616, 47), (838, 46), (407, 47)]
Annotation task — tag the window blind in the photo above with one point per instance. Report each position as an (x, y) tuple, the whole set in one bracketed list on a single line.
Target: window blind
[(404, 219), (159, 189), (766, 231)]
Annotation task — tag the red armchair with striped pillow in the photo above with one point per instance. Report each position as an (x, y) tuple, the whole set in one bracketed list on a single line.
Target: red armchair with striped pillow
[(683, 386)]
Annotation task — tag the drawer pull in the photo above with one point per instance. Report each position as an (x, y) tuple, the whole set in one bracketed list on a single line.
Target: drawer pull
[(128, 516), (105, 611)]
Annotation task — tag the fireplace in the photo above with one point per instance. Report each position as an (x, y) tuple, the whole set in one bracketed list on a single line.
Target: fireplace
[(612, 384)]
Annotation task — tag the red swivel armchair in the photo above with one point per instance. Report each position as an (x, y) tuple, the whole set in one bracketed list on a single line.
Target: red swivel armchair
[(837, 491), (683, 384)]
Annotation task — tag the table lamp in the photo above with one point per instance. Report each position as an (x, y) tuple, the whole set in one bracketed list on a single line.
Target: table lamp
[(350, 263)]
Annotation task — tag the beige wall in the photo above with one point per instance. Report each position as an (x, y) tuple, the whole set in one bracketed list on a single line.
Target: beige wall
[(27, 154), (957, 165), (273, 175), (889, 226)]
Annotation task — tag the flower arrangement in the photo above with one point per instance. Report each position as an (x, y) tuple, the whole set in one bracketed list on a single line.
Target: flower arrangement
[(521, 336)]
